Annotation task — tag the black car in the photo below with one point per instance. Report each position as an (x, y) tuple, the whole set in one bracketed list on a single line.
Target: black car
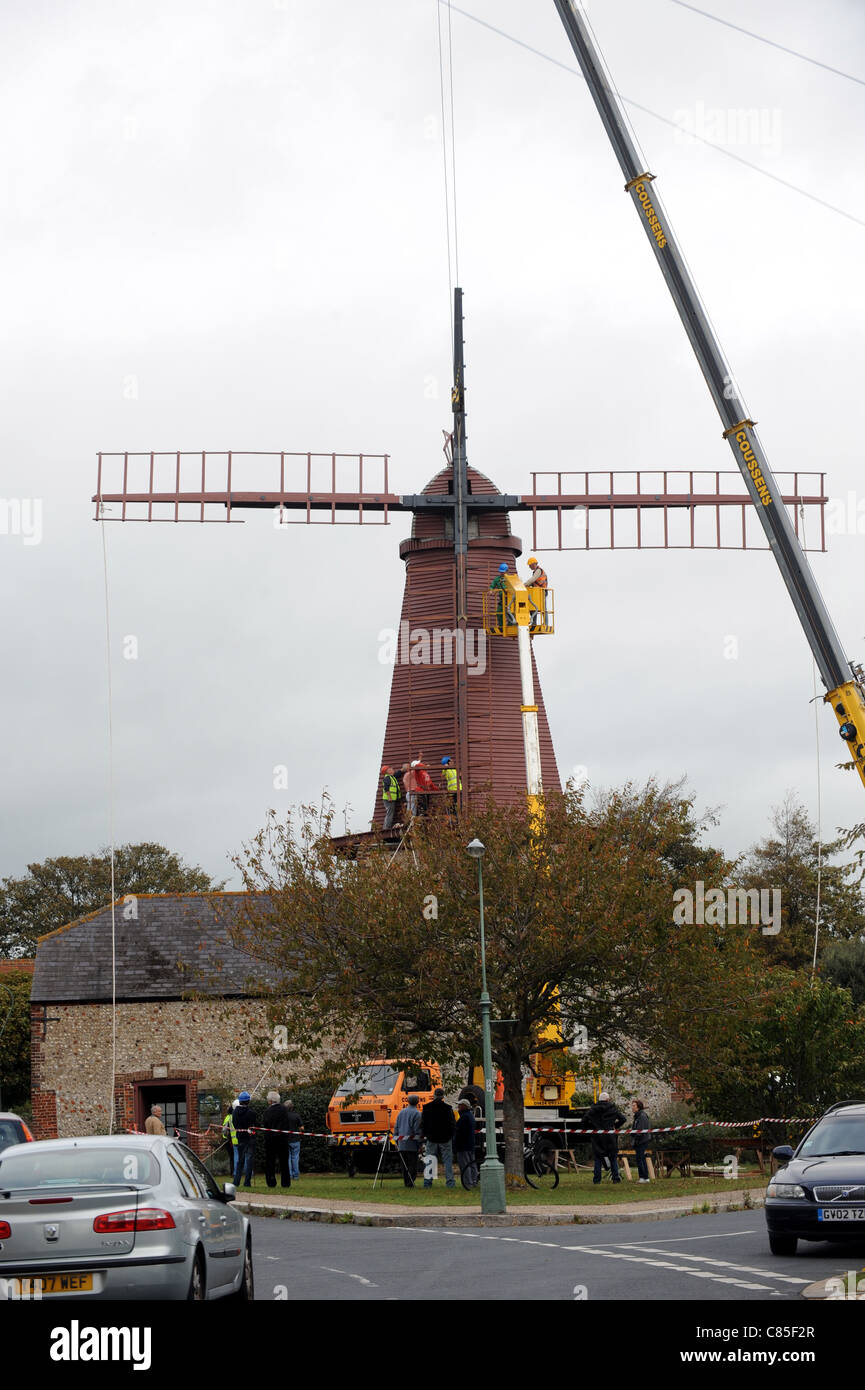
[(820, 1192)]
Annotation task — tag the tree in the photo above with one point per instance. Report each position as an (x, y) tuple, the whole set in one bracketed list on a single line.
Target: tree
[(789, 861), (14, 1038), (806, 1051), (380, 957), (843, 964), (60, 890)]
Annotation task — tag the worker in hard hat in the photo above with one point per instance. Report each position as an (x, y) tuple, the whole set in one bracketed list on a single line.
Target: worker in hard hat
[(538, 581), (412, 788), (499, 583), (425, 784), (452, 784), (390, 795)]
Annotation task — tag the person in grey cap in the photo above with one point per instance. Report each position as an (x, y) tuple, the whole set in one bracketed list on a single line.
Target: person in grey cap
[(464, 1144), (408, 1132)]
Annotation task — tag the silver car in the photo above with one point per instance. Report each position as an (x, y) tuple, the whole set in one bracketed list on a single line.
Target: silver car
[(133, 1216)]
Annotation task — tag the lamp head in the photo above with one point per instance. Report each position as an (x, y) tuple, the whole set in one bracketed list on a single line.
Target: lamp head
[(476, 849)]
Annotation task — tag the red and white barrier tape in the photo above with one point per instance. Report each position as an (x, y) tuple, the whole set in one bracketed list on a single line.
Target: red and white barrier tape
[(529, 1129)]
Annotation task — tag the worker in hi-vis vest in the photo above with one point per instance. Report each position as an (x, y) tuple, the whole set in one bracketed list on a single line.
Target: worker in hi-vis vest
[(452, 784), (389, 795), (499, 583), (231, 1133), (538, 581)]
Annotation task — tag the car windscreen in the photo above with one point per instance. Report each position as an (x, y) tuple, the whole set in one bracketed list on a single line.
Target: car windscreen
[(369, 1081), (835, 1135), (10, 1133), (28, 1165)]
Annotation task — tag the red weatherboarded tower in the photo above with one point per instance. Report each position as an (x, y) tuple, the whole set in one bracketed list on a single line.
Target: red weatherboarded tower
[(436, 660)]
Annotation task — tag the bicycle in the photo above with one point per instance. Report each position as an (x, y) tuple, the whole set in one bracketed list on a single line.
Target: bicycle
[(539, 1156)]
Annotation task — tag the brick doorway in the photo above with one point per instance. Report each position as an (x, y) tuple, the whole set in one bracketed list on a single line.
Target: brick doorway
[(177, 1099)]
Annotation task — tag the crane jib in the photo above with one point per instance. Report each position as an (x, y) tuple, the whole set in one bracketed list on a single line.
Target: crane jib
[(797, 575)]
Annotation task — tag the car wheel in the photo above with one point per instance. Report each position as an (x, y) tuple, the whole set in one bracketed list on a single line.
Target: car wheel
[(246, 1292), (197, 1288), (473, 1093), (782, 1245)]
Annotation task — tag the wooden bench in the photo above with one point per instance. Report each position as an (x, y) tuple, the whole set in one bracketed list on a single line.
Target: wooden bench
[(625, 1154)]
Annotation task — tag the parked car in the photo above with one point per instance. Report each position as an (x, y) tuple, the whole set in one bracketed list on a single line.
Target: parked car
[(13, 1130), (820, 1192), (131, 1216)]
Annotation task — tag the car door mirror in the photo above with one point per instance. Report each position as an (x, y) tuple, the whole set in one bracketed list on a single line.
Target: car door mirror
[(229, 1192), (783, 1153)]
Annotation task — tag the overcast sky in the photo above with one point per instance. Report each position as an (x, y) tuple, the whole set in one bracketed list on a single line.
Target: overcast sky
[(224, 228)]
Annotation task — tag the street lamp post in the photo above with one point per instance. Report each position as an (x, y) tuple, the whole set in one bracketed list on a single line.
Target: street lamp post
[(492, 1171)]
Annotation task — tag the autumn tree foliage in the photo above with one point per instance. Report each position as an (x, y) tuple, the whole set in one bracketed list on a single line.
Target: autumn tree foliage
[(380, 956), (803, 1053)]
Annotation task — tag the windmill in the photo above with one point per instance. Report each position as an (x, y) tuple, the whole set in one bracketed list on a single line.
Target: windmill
[(460, 696)]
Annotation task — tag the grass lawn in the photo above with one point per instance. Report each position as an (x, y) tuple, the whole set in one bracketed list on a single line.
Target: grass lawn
[(574, 1189)]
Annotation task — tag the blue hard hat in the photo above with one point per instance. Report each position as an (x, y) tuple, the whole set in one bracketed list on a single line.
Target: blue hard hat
[(244, 1096), (503, 569), (445, 760)]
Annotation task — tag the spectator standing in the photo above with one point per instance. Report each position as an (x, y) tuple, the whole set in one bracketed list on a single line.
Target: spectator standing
[(408, 1132), (295, 1129), (438, 1124), (642, 1123), (153, 1124), (604, 1115), (276, 1145), (243, 1123), (464, 1136)]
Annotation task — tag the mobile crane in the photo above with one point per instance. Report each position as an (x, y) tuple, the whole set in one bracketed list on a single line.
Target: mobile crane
[(843, 680)]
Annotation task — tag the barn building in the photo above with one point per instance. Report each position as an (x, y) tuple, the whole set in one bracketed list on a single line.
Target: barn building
[(187, 1014)]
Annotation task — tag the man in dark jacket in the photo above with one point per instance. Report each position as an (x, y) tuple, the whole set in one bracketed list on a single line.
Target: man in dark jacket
[(464, 1138), (276, 1145), (604, 1115), (295, 1127), (437, 1121), (243, 1123), (640, 1122)]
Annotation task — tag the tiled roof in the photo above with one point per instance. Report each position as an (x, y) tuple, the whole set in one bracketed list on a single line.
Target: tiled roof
[(177, 944)]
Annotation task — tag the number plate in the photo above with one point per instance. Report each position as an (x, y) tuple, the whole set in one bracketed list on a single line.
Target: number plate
[(841, 1214), (35, 1284)]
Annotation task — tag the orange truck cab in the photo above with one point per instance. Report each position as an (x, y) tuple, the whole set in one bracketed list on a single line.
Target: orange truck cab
[(363, 1109)]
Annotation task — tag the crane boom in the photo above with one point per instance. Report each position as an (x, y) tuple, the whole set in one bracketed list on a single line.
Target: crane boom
[(842, 681)]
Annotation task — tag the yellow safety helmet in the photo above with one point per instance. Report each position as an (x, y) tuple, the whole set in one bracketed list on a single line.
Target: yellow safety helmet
[(532, 560)]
